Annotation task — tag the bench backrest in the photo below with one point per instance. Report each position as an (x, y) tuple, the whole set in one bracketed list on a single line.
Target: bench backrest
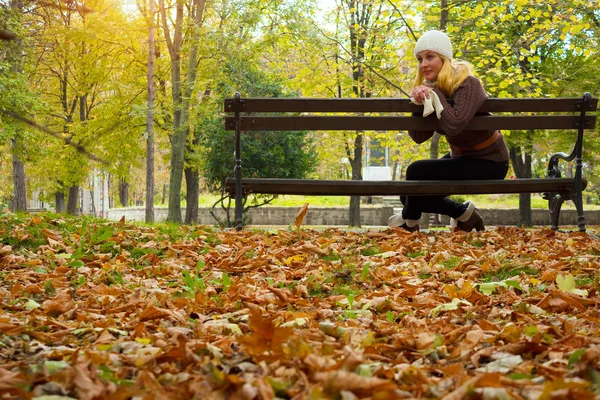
[(324, 114)]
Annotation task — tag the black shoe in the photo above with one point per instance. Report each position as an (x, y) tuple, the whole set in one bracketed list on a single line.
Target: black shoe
[(410, 228), (474, 222)]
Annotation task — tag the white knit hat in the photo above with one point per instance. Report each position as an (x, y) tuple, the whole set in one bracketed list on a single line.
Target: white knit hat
[(436, 41)]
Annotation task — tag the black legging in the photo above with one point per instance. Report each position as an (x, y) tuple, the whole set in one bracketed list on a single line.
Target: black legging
[(446, 168)]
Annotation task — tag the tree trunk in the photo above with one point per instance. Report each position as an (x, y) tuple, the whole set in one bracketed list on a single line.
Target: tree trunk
[(522, 166), (73, 203), (19, 202), (180, 98), (394, 170), (178, 140), (20, 187), (93, 204), (124, 192), (356, 164), (191, 176), (150, 119), (164, 194), (192, 195), (60, 202), (109, 180), (443, 14), (358, 30), (434, 149), (435, 140)]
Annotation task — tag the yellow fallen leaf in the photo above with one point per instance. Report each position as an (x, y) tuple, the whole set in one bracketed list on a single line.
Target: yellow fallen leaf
[(298, 258), (533, 281)]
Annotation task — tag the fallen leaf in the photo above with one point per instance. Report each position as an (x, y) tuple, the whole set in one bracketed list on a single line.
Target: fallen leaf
[(10, 379), (300, 215), (504, 364), (152, 312), (58, 305), (336, 381), (10, 329), (87, 388), (266, 339), (51, 234), (567, 284)]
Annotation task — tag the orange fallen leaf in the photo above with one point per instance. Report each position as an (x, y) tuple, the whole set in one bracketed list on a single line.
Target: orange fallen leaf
[(266, 338), (35, 221), (152, 312), (87, 385), (4, 250), (300, 215), (105, 338), (10, 379), (10, 329), (265, 390), (336, 381), (58, 305), (51, 234)]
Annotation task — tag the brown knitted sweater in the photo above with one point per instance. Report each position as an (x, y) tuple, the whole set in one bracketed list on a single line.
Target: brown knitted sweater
[(468, 97)]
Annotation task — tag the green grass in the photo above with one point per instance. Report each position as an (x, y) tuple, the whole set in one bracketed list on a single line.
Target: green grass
[(508, 271), (332, 256), (512, 201), (415, 254), (482, 201), (370, 251), (451, 262)]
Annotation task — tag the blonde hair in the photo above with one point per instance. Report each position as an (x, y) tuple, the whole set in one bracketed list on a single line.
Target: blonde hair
[(452, 74)]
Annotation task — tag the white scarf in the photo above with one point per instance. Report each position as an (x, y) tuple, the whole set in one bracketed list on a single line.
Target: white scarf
[(431, 104)]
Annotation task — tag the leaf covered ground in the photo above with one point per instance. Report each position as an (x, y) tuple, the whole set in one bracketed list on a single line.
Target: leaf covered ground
[(91, 309)]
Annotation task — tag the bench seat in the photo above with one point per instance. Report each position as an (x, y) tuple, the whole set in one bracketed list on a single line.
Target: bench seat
[(313, 187)]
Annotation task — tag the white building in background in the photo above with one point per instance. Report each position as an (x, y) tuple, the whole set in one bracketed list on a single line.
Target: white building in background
[(93, 199), (376, 161), (35, 203), (93, 196)]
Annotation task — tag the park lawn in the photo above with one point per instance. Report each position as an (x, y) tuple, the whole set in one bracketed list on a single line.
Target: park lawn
[(482, 201), (95, 309)]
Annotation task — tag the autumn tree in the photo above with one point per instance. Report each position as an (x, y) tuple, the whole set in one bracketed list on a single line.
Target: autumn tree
[(181, 89), (360, 60), (149, 15), (13, 89), (89, 97), (265, 154), (527, 49)]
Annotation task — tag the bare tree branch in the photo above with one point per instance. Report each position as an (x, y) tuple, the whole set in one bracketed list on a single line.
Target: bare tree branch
[(386, 80), (57, 135), (334, 40), (403, 20)]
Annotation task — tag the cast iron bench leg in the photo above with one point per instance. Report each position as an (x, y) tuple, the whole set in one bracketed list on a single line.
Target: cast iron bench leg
[(578, 200), (555, 201)]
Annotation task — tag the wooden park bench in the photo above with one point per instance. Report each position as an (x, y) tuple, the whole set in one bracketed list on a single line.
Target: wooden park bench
[(244, 114)]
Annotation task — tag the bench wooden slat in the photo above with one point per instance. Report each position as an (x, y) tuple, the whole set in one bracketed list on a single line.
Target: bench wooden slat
[(398, 105), (331, 123), (313, 187)]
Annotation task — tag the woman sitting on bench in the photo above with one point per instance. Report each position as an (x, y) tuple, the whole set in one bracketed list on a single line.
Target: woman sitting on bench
[(473, 154)]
